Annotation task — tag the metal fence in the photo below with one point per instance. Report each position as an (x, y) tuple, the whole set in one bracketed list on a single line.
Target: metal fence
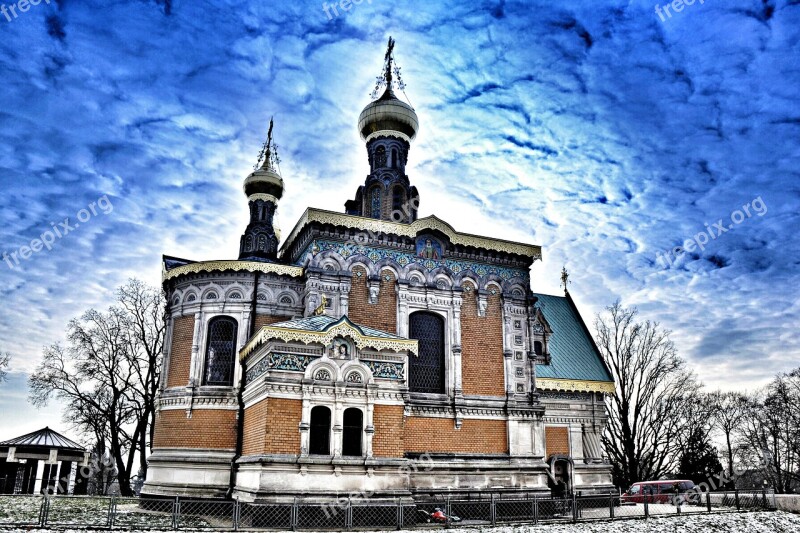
[(345, 514)]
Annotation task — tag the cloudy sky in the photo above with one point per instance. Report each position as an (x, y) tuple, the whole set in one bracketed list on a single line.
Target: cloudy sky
[(603, 131)]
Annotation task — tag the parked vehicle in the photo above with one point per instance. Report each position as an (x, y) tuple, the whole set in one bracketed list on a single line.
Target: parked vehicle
[(436, 516), (675, 491)]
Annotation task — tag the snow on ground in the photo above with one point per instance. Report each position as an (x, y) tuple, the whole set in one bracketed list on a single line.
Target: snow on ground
[(761, 522)]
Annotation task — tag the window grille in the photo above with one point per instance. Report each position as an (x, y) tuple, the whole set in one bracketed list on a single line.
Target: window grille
[(426, 370), (220, 351)]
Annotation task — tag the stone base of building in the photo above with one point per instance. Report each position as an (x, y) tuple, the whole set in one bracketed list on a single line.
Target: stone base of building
[(188, 472), (274, 479)]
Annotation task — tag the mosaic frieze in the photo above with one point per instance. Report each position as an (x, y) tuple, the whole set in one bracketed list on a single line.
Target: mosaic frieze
[(280, 361), (381, 369), (427, 257)]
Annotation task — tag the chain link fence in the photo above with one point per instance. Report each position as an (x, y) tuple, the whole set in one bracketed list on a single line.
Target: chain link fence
[(299, 514)]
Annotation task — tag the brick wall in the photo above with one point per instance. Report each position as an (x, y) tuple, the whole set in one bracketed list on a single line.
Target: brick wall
[(423, 434), (266, 320), (383, 314), (388, 438), (556, 440), (180, 354), (482, 362), (208, 428), (272, 426)]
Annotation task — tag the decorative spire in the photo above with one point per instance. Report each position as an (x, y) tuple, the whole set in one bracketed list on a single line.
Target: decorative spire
[(390, 76), (565, 279), (268, 157)]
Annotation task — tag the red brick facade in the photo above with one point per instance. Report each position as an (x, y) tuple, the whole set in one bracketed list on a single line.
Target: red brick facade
[(427, 434), (388, 440), (272, 426), (180, 353), (557, 440), (381, 315), (482, 362), (207, 428)]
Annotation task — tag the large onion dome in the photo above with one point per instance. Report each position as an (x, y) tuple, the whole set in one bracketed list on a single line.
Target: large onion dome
[(388, 115)]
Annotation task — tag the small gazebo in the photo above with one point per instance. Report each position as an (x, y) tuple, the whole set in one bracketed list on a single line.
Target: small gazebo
[(20, 458)]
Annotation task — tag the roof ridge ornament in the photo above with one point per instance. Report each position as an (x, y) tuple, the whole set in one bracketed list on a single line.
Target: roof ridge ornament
[(565, 279), (268, 157), (390, 75)]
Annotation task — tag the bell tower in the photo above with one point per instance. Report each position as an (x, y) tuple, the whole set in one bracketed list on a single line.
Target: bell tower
[(387, 125), (264, 188)]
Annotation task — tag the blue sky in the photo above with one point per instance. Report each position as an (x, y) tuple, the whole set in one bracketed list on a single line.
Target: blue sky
[(594, 129)]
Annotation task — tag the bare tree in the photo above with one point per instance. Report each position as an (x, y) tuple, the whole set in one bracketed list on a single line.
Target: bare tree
[(655, 396), (728, 414), (5, 362), (107, 375), (769, 439)]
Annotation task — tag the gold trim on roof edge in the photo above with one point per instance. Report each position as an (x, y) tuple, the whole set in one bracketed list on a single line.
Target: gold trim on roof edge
[(325, 338), (575, 385), (236, 266), (411, 230)]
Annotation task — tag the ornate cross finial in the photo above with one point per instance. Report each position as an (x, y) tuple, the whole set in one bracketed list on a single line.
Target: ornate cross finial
[(268, 158), (565, 278), (390, 76)]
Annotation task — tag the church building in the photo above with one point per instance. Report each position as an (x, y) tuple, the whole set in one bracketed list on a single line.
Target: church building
[(372, 352)]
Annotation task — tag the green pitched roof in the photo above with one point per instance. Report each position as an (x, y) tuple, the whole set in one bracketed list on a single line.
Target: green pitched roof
[(572, 350), (324, 322)]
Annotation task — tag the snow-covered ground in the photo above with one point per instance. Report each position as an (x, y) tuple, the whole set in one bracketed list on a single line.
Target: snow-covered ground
[(760, 522)]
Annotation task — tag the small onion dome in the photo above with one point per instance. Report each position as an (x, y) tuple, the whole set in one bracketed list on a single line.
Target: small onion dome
[(388, 114), (265, 180)]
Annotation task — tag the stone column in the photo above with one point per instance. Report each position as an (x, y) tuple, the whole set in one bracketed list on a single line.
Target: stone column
[(455, 328), (305, 424), (575, 442), (196, 366), (402, 308), (338, 426), (369, 425)]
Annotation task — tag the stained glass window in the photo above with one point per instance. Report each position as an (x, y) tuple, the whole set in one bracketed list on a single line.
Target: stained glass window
[(375, 202), (220, 351), (426, 370)]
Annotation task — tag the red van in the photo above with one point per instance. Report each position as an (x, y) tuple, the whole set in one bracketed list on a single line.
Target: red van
[(663, 491)]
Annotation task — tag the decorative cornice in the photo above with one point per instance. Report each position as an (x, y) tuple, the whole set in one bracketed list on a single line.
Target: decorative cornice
[(410, 230), (388, 133), (325, 338), (574, 385), (236, 266), (262, 196)]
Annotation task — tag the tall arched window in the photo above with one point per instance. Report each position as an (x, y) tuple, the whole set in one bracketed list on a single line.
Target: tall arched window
[(353, 429), (375, 202), (220, 351), (380, 157), (320, 437), (395, 160), (426, 369)]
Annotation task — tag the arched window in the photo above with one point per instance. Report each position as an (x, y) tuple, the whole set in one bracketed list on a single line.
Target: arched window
[(426, 369), (375, 202), (537, 347), (395, 160), (353, 429), (320, 437), (220, 351), (380, 157)]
